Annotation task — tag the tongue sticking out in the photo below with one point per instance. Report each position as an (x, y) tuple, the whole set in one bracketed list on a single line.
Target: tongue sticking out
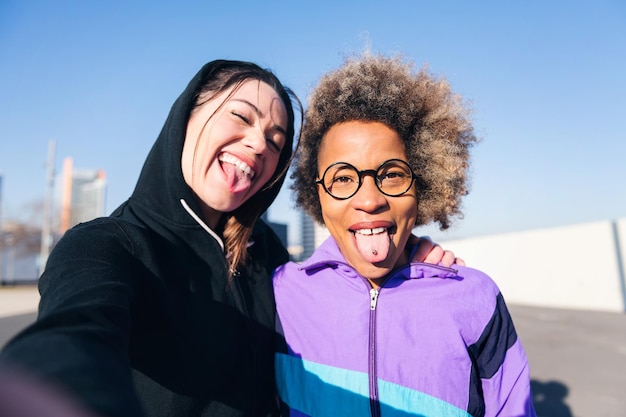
[(236, 179), (373, 246)]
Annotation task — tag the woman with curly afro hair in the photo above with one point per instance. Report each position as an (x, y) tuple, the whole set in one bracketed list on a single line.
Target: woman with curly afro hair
[(365, 330)]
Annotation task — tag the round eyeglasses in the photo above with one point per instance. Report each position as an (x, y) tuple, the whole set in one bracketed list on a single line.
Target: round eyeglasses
[(393, 178)]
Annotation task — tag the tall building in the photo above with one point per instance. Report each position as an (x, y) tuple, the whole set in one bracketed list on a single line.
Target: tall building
[(313, 234), (83, 197)]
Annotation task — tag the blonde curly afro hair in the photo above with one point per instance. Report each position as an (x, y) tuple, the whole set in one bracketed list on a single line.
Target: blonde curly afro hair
[(432, 121)]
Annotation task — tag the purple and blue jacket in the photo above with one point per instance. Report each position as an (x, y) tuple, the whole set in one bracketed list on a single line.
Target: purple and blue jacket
[(431, 342)]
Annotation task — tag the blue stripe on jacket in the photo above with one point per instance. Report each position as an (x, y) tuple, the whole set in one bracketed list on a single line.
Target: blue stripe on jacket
[(321, 390)]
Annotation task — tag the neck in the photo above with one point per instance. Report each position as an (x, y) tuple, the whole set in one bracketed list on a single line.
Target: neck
[(375, 283), (211, 216)]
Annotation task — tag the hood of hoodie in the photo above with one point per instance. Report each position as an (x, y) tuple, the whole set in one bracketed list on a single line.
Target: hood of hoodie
[(157, 198), (161, 185), (162, 200)]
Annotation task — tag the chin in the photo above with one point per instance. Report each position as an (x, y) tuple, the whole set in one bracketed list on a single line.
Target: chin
[(373, 271)]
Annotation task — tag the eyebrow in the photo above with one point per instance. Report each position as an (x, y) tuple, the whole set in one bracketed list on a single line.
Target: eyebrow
[(260, 114)]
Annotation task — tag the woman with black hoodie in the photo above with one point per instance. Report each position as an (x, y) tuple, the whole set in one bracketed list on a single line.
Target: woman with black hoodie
[(165, 308)]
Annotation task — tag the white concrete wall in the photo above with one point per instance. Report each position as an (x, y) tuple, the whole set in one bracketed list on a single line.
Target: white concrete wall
[(578, 267)]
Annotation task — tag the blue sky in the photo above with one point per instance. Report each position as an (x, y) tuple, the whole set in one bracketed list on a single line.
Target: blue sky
[(547, 81)]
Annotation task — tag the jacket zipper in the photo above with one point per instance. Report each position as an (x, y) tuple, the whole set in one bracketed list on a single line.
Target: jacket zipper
[(373, 295), (373, 378)]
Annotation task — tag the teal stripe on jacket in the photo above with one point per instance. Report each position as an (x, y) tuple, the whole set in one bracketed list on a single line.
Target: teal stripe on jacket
[(321, 390)]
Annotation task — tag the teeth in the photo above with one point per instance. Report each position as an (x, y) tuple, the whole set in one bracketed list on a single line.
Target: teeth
[(370, 231), (230, 159)]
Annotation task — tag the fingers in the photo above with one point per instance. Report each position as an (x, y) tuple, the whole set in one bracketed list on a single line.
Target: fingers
[(447, 259), (433, 253), (443, 257), (425, 246), (437, 255)]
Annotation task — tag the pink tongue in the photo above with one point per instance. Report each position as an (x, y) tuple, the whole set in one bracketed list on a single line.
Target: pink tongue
[(236, 179), (374, 248)]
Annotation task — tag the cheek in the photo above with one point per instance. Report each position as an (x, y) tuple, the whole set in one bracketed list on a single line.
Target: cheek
[(270, 168), (198, 154), (408, 214), (332, 212), (188, 160), (324, 203)]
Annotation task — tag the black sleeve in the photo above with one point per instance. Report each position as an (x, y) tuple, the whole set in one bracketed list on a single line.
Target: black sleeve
[(79, 343)]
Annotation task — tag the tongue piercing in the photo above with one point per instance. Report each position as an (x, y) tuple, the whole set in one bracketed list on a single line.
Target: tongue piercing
[(374, 252)]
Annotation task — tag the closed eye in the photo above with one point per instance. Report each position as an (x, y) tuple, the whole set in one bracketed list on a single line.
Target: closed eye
[(273, 144), (242, 117), (250, 121)]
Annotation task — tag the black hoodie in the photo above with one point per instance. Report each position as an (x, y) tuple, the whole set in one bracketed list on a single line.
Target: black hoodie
[(138, 316)]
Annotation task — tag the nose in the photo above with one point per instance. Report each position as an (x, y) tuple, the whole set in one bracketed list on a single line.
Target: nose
[(368, 198), (255, 140)]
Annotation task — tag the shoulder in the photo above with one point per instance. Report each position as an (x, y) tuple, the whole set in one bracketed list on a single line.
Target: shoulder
[(267, 246), (477, 283), (283, 273), (474, 298), (100, 238), (99, 250)]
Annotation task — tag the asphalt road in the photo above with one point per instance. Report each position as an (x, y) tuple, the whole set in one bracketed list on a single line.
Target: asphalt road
[(577, 358)]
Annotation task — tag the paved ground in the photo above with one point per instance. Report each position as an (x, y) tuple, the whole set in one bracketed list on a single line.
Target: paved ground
[(18, 299), (577, 358)]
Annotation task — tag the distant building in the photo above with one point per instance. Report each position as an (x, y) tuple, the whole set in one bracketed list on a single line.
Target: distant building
[(21, 249), (84, 192), (313, 234)]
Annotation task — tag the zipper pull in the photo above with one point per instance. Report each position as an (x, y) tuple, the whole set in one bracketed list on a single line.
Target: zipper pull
[(373, 298)]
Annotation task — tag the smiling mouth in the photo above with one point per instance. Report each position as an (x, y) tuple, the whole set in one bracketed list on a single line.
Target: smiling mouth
[(237, 163)]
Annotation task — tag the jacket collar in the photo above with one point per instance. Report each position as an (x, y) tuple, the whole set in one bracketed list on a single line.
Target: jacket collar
[(328, 255)]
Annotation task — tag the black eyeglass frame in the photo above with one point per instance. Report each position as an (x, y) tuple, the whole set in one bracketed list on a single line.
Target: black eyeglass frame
[(371, 172)]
